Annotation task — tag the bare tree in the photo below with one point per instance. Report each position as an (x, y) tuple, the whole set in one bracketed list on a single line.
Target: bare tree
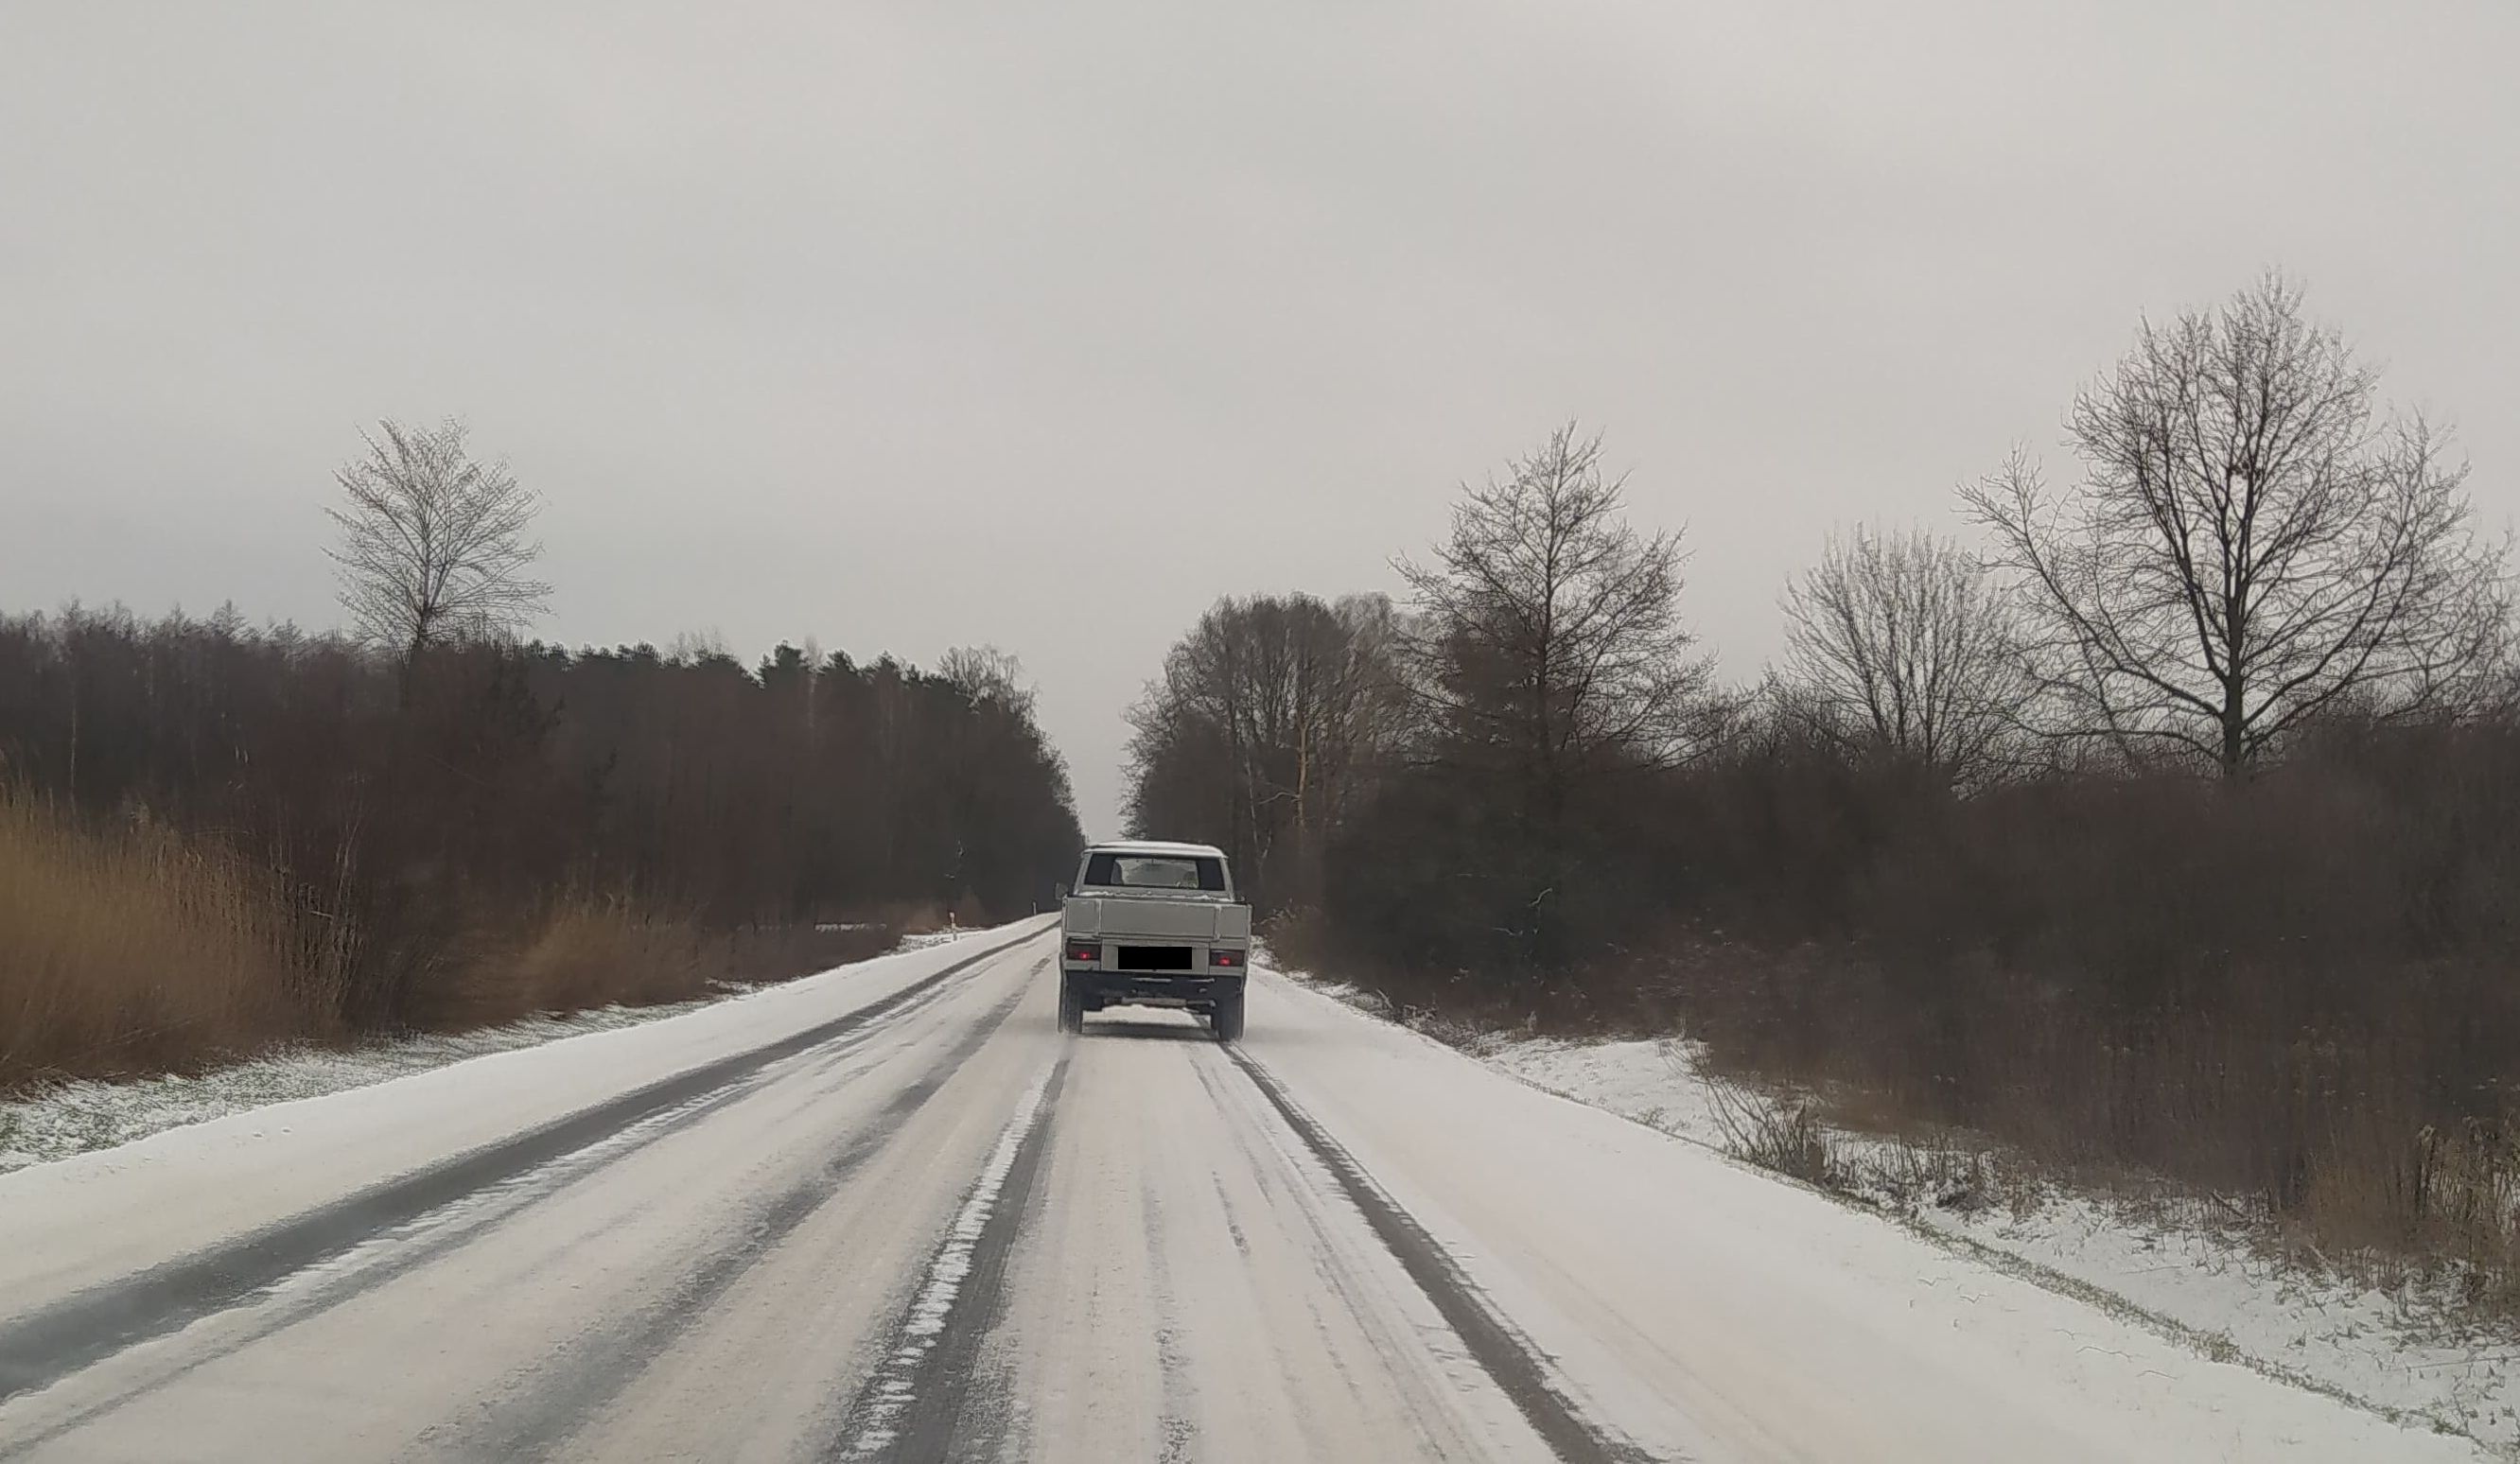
[(1897, 642), (1268, 716), (2253, 546), (1546, 637), (433, 545), (700, 647), (986, 674)]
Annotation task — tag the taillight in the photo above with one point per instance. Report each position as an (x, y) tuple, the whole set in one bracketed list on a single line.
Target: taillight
[(1225, 957), (1084, 953)]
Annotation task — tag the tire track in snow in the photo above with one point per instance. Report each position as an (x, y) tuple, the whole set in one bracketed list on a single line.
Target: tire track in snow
[(913, 1405), (1232, 1225), (81, 1330), (1285, 1184), (589, 1377), (1176, 1432), (1519, 1370)]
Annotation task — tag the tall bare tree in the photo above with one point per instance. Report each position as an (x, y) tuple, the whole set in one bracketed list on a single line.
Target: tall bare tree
[(1268, 717), (1547, 636), (2253, 544), (433, 545), (1897, 643)]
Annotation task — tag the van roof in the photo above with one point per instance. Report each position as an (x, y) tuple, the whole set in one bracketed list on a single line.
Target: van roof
[(1156, 847)]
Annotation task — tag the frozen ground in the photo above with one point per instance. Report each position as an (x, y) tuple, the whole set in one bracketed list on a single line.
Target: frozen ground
[(2216, 1284)]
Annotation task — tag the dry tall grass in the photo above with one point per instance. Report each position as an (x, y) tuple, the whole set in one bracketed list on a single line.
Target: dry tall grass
[(136, 950), (602, 953), (582, 954), (784, 952)]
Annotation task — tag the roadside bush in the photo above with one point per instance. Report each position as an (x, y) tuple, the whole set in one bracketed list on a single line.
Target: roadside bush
[(1780, 1135), (2301, 989), (1296, 937)]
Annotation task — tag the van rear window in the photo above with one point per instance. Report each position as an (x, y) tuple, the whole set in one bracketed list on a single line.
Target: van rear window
[(1148, 871)]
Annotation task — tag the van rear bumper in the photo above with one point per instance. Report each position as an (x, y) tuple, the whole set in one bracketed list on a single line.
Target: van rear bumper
[(1150, 987)]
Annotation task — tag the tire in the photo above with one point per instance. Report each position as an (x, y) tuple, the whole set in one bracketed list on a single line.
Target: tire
[(1227, 1019), (1071, 1007)]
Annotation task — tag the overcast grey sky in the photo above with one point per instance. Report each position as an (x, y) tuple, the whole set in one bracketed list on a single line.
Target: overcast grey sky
[(912, 325)]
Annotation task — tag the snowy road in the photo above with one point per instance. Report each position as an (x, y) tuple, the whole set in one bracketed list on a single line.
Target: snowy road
[(891, 1212)]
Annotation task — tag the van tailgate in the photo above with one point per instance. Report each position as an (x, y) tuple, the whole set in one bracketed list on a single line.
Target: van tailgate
[(1178, 919)]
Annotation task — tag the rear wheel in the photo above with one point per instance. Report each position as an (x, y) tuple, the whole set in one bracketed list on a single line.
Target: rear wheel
[(1071, 1007), (1227, 1019)]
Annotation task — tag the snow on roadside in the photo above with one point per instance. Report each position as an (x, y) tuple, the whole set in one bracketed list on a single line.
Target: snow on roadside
[(1653, 1082), (2403, 1353), (74, 1118)]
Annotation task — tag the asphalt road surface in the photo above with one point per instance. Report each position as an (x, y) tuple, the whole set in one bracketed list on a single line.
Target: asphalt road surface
[(892, 1214)]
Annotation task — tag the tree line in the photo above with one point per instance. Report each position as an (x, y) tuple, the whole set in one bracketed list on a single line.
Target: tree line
[(2175, 820), (2255, 552), (423, 801)]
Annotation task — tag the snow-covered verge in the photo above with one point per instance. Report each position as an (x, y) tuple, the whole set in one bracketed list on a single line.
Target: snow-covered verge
[(2213, 1280), (74, 1118)]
